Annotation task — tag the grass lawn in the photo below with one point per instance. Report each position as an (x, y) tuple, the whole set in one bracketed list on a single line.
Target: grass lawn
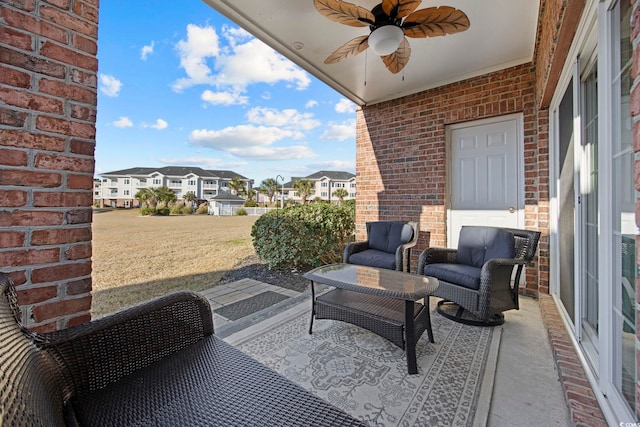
[(137, 258)]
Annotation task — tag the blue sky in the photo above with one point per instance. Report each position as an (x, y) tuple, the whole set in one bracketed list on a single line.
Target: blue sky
[(179, 84)]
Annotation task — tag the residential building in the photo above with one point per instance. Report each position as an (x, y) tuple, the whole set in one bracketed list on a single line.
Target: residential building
[(118, 188), (325, 183)]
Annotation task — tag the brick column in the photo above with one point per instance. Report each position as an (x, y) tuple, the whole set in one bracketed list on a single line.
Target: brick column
[(48, 100)]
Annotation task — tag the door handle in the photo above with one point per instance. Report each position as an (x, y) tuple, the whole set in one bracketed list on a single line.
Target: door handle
[(512, 209)]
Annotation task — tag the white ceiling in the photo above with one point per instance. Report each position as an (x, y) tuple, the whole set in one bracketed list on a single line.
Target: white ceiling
[(502, 34)]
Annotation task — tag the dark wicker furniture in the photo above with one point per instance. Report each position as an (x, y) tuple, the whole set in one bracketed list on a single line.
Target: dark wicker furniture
[(155, 364), (388, 245), (478, 289), (382, 301)]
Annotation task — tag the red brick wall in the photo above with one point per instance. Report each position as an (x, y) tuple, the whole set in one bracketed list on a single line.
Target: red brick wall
[(48, 96), (401, 155)]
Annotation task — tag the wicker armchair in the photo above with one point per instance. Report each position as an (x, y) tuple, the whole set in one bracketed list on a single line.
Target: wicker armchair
[(388, 245), (155, 364), (475, 279)]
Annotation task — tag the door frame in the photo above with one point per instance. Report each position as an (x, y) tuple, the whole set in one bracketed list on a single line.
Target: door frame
[(519, 119)]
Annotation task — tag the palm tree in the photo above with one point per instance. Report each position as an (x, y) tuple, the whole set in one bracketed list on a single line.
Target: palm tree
[(305, 188), (147, 197), (250, 194), (165, 195), (236, 185), (190, 197), (340, 193), (269, 187)]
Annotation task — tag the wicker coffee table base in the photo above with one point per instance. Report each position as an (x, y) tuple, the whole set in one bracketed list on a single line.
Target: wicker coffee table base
[(400, 321)]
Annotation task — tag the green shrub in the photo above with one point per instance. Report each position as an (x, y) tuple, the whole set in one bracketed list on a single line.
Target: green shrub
[(250, 204), (303, 236), (241, 212), (163, 211), (202, 209), (147, 211)]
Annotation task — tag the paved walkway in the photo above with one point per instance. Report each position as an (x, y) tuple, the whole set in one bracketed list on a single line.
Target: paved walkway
[(525, 387)]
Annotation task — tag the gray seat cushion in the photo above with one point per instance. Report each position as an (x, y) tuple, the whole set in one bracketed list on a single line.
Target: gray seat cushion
[(374, 258), (459, 274), (477, 245)]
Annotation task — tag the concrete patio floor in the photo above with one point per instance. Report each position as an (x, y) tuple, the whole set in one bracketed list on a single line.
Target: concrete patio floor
[(523, 390)]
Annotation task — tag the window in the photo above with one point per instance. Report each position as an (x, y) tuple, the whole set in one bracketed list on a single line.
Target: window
[(324, 184), (192, 182), (324, 194), (176, 181), (157, 181), (126, 181), (353, 185), (622, 229), (126, 192)]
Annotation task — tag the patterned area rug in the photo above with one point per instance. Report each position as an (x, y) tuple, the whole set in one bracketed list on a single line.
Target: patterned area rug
[(366, 375)]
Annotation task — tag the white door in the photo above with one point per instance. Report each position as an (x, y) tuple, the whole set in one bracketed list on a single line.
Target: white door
[(485, 176)]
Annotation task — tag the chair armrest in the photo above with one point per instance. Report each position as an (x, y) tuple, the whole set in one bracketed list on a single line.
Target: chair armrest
[(496, 273), (436, 256), (103, 351), (353, 248), (403, 255)]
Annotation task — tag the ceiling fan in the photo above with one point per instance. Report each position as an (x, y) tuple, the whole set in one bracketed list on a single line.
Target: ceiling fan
[(389, 22)]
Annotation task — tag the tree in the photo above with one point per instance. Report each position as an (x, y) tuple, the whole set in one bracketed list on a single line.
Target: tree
[(305, 188), (147, 197), (190, 197), (269, 187), (250, 194), (340, 193), (165, 195), (236, 186)]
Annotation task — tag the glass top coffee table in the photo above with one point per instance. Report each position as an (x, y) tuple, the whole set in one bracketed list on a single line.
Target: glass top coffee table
[(386, 302)]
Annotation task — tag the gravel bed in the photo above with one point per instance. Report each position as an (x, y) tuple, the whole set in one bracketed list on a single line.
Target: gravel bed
[(253, 267)]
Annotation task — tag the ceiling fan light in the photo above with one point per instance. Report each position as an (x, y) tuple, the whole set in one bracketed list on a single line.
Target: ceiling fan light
[(386, 39)]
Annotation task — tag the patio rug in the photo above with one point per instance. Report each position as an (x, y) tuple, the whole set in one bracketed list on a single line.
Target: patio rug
[(366, 375)]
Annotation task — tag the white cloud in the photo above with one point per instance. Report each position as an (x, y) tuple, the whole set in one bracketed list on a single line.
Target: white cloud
[(242, 62), (223, 98), (311, 103), (159, 125), (123, 122), (337, 165), (345, 106), (267, 66), (202, 162), (201, 43), (255, 142), (287, 118), (340, 131), (109, 85), (146, 51)]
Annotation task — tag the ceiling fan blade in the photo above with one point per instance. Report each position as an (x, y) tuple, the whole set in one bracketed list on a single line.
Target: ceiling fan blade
[(349, 49), (401, 8), (398, 59), (345, 13), (435, 21)]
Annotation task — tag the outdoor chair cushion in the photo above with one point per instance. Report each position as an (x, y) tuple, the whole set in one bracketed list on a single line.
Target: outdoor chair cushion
[(477, 245), (374, 258), (460, 274), (386, 236)]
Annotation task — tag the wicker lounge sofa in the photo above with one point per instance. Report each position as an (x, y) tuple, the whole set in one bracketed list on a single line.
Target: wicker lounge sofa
[(155, 364), (475, 279), (388, 245)]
